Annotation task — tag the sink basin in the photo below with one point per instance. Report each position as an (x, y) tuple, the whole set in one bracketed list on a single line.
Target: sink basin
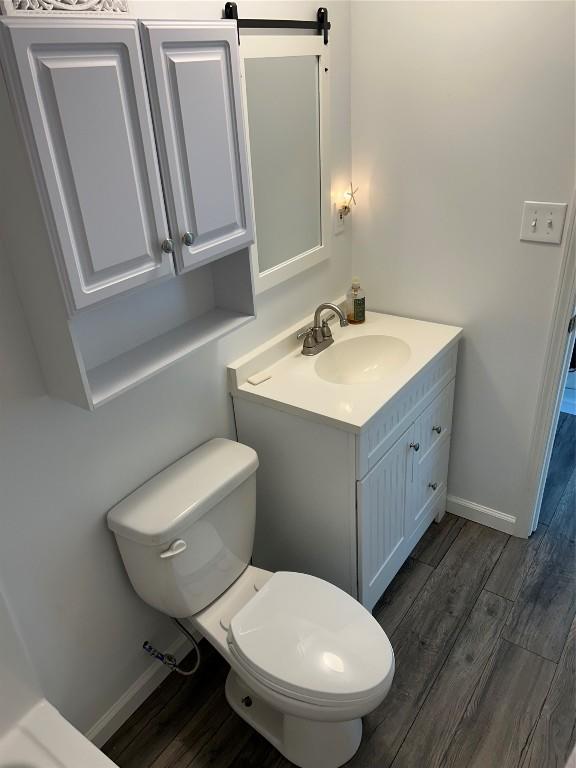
[(362, 360)]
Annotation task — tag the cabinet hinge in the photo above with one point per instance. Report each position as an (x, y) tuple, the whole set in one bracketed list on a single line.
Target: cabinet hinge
[(571, 324)]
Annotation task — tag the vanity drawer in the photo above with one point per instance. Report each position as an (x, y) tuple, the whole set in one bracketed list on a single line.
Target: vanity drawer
[(435, 422), (397, 415), (426, 494)]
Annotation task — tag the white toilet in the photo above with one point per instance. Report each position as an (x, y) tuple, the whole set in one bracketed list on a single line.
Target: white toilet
[(307, 660)]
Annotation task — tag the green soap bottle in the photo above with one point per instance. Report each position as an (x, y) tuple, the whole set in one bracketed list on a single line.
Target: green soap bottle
[(356, 303)]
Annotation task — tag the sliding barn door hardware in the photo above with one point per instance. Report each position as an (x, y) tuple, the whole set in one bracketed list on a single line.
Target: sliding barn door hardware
[(321, 25)]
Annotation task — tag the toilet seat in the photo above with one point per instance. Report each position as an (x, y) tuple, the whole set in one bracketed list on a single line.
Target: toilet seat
[(306, 639)]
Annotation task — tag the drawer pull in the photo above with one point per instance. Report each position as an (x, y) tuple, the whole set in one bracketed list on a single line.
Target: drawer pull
[(433, 486), (437, 428), (416, 446)]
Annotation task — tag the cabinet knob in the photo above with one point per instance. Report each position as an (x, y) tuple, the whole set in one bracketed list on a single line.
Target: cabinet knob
[(167, 246), (437, 428), (416, 446), (188, 238), (433, 486)]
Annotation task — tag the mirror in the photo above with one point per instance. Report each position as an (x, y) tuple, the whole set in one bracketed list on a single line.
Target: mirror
[(284, 130), (284, 100)]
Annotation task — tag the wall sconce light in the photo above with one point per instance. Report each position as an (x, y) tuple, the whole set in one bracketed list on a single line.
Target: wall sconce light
[(345, 206)]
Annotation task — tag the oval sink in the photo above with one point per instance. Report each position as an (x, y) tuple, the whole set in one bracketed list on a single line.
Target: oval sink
[(362, 360)]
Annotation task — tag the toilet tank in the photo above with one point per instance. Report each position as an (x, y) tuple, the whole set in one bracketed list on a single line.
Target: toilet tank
[(187, 534)]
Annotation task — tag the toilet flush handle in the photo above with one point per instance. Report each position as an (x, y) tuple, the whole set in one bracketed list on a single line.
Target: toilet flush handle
[(174, 549)]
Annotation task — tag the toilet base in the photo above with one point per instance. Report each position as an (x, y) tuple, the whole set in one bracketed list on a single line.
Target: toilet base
[(306, 743)]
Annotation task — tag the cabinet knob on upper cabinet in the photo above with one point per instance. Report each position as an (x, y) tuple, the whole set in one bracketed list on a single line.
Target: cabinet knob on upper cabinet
[(437, 428), (416, 446), (188, 238), (433, 486), (167, 246)]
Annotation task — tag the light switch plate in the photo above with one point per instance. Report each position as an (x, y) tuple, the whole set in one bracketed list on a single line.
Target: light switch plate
[(543, 222)]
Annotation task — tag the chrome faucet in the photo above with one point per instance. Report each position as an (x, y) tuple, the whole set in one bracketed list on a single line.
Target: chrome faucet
[(319, 336)]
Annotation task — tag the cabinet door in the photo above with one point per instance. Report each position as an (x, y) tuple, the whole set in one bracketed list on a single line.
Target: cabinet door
[(81, 90), (381, 528), (194, 75)]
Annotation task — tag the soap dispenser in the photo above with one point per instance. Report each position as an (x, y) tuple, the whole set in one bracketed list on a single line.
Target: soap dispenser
[(356, 303)]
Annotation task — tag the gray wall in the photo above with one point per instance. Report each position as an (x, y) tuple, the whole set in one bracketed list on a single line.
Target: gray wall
[(18, 686), (461, 111), (61, 468)]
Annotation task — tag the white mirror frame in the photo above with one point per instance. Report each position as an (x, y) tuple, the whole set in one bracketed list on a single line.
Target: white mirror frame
[(269, 46)]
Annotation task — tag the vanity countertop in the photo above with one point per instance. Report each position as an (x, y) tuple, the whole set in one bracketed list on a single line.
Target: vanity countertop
[(295, 386)]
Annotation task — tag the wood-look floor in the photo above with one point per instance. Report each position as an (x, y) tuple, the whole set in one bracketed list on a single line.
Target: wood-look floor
[(484, 632)]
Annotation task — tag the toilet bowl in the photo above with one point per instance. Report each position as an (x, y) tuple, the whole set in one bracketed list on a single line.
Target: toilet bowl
[(307, 661)]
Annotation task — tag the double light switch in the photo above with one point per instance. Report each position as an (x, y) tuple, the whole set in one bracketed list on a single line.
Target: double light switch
[(543, 222)]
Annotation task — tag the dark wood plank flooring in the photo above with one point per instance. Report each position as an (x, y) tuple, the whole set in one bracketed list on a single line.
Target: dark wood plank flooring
[(542, 614), (484, 632), (561, 467), (503, 710), (555, 735)]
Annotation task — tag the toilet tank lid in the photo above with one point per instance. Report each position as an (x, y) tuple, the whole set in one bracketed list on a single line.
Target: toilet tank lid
[(180, 494)]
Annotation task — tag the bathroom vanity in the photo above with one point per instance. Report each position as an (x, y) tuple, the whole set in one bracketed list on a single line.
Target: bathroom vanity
[(353, 445)]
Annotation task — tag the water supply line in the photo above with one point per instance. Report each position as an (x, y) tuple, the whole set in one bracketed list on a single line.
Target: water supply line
[(168, 659)]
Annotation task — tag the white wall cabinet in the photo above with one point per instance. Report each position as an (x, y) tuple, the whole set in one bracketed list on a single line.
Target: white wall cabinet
[(129, 195), (195, 91), (351, 508), (83, 88)]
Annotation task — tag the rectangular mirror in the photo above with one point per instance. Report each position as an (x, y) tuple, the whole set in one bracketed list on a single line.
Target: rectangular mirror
[(284, 84), (284, 125)]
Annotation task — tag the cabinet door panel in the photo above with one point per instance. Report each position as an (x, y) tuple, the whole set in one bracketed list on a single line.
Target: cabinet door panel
[(85, 96), (381, 529), (194, 73)]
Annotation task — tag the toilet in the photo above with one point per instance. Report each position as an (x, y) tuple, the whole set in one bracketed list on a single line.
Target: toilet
[(307, 661)]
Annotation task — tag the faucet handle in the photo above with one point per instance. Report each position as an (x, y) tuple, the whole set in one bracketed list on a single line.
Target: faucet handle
[(305, 332), (310, 342), (326, 332), (309, 336)]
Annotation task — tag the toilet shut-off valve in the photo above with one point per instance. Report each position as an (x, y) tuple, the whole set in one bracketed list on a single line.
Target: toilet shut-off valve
[(168, 659)]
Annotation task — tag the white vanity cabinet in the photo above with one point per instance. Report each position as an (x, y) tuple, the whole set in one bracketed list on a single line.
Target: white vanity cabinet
[(349, 505), (134, 173), (401, 495)]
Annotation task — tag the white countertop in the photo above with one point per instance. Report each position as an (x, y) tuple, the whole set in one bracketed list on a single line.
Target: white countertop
[(294, 385)]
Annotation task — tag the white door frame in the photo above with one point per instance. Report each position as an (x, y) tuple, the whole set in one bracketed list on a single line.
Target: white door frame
[(555, 370)]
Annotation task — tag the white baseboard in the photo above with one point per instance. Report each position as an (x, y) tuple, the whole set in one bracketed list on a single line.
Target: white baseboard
[(131, 699), (478, 513)]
